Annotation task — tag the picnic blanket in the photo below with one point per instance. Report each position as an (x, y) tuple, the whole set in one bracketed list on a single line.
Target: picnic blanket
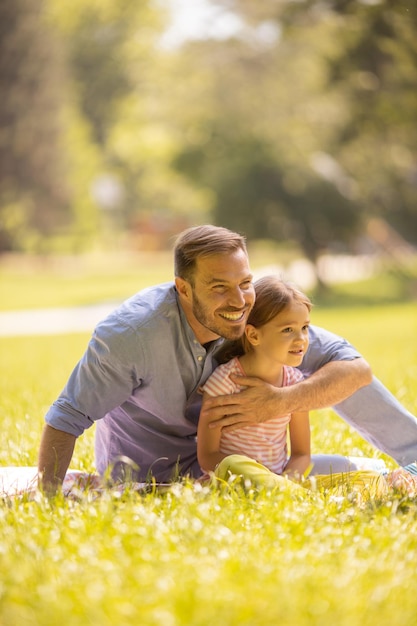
[(19, 481)]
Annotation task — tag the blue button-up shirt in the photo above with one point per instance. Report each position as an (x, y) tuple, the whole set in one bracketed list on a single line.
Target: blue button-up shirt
[(139, 379)]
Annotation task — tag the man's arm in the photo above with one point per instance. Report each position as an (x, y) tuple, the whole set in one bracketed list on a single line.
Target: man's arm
[(329, 385), (55, 455), (101, 380)]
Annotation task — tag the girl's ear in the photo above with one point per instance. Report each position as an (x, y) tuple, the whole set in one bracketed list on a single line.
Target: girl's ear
[(252, 334)]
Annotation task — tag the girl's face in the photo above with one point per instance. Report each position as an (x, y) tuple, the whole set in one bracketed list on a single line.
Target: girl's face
[(284, 339)]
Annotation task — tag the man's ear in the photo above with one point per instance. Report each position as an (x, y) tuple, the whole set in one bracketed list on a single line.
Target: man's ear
[(252, 334), (183, 287)]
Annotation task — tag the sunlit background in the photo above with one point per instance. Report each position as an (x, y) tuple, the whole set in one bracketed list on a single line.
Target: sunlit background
[(123, 122)]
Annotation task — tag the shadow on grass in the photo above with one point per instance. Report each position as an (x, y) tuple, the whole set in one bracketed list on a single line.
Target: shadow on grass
[(387, 288)]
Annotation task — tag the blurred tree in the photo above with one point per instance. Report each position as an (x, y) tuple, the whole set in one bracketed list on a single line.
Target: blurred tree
[(33, 195), (257, 195), (376, 70), (120, 81), (109, 47), (93, 147), (298, 127), (365, 61), (253, 143)]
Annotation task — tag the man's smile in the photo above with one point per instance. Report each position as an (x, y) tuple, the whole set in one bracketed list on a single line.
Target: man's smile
[(233, 317)]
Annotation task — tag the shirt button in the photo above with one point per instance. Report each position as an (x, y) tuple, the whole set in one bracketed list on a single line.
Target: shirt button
[(199, 358)]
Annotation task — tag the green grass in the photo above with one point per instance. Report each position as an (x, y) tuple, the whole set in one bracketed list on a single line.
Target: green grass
[(194, 556), (54, 282), (70, 281)]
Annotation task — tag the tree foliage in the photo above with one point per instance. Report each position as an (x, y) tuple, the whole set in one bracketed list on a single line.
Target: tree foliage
[(298, 127), (314, 128), (33, 194)]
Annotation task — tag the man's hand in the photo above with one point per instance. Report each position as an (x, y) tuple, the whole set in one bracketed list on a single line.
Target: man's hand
[(260, 401), (257, 403)]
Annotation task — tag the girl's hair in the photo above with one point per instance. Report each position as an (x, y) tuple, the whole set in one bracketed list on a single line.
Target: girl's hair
[(272, 296), (200, 241)]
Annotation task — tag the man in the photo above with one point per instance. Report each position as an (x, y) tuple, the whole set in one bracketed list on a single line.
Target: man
[(140, 376)]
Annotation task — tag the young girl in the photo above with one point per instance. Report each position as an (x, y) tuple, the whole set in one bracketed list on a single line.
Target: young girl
[(274, 344)]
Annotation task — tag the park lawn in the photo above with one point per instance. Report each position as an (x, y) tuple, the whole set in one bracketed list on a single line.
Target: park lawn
[(76, 281), (34, 283), (198, 557)]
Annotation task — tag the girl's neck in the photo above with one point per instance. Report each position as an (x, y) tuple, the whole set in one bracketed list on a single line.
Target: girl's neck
[(254, 366)]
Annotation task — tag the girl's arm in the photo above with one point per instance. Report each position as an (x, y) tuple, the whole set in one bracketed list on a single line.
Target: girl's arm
[(208, 443), (300, 458)]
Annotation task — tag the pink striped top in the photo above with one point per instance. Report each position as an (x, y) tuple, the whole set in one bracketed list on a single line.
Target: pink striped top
[(266, 442)]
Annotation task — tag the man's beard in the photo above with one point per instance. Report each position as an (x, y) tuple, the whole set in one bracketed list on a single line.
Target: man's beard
[(222, 329)]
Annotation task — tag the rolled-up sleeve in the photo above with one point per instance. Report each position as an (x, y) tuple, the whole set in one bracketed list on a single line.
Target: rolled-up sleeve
[(104, 378)]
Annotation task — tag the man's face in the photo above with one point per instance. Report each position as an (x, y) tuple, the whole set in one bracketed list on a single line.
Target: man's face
[(221, 297)]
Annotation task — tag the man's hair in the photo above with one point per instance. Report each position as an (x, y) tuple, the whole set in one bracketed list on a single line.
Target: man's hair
[(201, 241)]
